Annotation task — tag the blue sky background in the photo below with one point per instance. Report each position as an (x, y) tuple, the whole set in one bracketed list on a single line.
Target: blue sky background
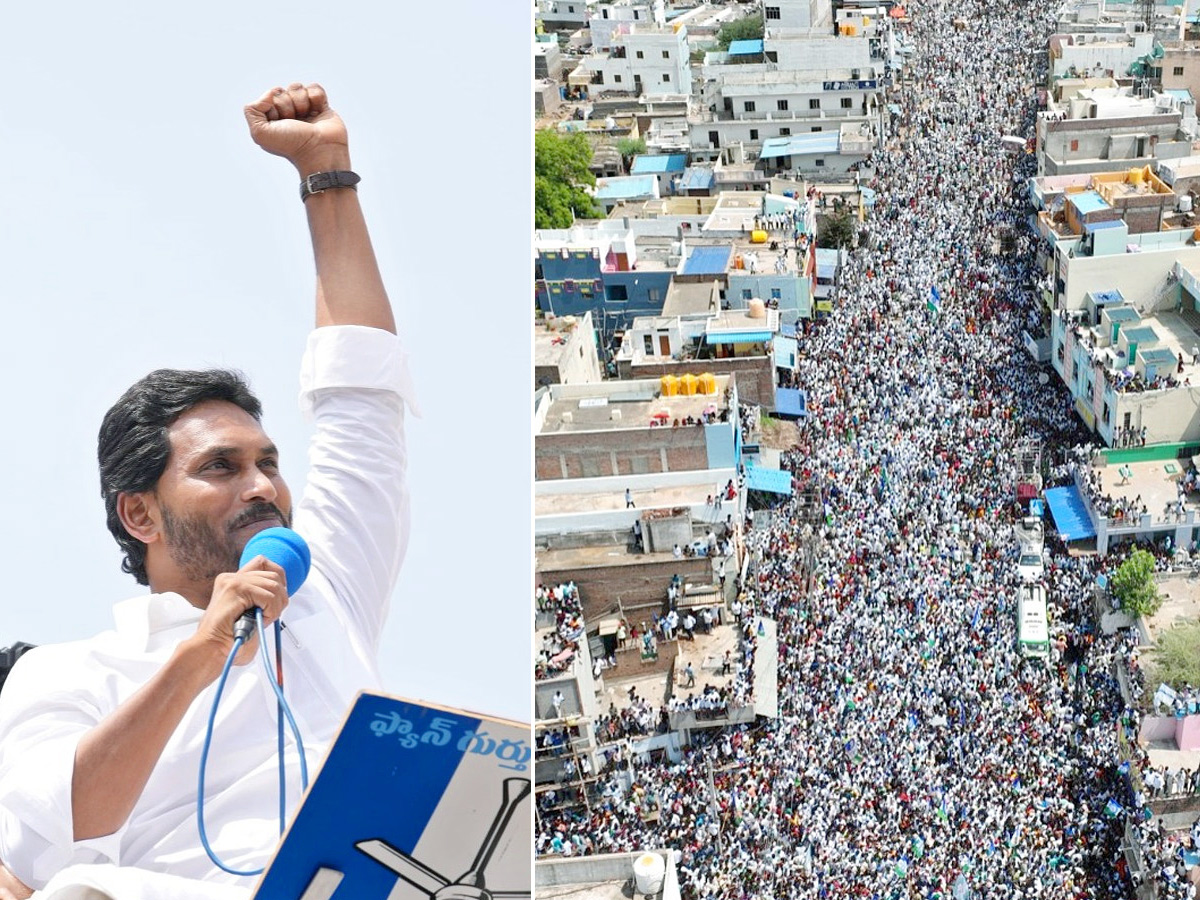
[(141, 228)]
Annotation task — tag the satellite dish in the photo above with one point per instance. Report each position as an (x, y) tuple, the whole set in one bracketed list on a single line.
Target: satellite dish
[(1043, 378)]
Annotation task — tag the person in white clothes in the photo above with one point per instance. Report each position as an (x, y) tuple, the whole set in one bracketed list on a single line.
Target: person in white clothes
[(100, 739)]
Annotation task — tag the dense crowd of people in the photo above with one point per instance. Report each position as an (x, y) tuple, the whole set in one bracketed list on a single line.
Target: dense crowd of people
[(917, 753)]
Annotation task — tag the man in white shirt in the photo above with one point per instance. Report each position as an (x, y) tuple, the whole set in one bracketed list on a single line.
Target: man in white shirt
[(100, 739)]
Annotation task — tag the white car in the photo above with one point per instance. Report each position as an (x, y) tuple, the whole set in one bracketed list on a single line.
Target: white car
[(1029, 566)]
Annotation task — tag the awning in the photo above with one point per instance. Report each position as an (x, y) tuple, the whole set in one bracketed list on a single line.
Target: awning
[(1070, 513), (776, 481)]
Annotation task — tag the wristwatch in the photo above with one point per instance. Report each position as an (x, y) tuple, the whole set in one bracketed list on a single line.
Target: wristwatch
[(323, 181)]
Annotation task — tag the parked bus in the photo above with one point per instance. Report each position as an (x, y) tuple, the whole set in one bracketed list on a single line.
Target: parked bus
[(1033, 622)]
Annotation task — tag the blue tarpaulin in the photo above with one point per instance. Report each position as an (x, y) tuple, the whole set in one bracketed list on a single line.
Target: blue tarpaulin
[(774, 480), (790, 402), (1070, 513)]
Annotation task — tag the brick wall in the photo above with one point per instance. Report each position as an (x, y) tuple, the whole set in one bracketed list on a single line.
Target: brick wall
[(625, 451), (635, 585)]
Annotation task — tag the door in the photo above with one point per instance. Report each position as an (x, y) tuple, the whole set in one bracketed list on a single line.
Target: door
[(664, 345)]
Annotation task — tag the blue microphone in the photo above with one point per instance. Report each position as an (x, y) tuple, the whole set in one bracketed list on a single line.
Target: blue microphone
[(287, 550)]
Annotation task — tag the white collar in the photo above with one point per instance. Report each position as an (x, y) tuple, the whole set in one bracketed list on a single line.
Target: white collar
[(150, 621)]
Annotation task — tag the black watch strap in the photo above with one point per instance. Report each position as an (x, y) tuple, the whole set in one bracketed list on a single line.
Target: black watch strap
[(323, 181)]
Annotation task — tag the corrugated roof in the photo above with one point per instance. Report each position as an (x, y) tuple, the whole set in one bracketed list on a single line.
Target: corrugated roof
[(697, 178), (658, 164), (745, 48), (707, 261), (799, 144)]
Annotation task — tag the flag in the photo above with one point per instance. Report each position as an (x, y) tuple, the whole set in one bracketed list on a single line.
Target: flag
[(934, 303), (1112, 808)]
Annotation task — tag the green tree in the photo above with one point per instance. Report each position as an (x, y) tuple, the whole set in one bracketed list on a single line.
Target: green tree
[(747, 29), (630, 147), (1133, 584), (560, 171), (1176, 657), (836, 230)]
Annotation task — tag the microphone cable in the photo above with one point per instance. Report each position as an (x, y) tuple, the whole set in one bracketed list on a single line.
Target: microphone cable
[(282, 710)]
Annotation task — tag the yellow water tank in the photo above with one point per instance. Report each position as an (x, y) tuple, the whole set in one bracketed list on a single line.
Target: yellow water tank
[(851, 30), (758, 237), (1196, 235), (756, 308), (708, 383), (669, 385), (738, 262), (687, 384), (1136, 176)]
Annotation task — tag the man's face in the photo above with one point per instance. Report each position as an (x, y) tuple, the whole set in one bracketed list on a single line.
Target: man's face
[(221, 486)]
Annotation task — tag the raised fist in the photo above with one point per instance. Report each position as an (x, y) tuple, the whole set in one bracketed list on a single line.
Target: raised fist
[(298, 124)]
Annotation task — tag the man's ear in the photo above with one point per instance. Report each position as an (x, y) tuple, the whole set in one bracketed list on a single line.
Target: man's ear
[(138, 512)]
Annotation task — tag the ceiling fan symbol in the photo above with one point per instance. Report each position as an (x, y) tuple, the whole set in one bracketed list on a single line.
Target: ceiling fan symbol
[(470, 885)]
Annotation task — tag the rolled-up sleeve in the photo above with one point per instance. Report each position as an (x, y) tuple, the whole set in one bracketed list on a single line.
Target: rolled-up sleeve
[(41, 722), (355, 386)]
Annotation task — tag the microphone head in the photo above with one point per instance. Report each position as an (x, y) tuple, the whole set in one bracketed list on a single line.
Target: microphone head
[(286, 549)]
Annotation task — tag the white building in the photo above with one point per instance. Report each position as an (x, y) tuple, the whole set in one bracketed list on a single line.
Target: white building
[(808, 76), (563, 15), (643, 60)]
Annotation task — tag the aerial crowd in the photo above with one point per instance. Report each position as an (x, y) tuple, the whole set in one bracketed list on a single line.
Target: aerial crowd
[(917, 753)]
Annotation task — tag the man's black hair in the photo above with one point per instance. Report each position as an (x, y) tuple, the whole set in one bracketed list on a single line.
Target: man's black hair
[(133, 446)]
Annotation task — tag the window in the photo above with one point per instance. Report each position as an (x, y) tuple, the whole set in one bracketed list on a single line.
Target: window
[(714, 138), (819, 163), (1178, 70), (747, 293), (666, 54), (641, 55), (814, 103), (666, 76), (618, 292), (654, 295), (776, 294), (784, 132), (570, 9), (617, 79), (754, 134), (750, 107), (648, 344), (781, 105), (773, 12), (847, 102), (1074, 145), (816, 129)]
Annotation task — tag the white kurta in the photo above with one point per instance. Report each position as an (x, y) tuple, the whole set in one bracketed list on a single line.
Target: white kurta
[(354, 515)]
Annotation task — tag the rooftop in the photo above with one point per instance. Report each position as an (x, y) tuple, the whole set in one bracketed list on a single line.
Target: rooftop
[(626, 404), (707, 261), (798, 144), (626, 186), (550, 339)]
